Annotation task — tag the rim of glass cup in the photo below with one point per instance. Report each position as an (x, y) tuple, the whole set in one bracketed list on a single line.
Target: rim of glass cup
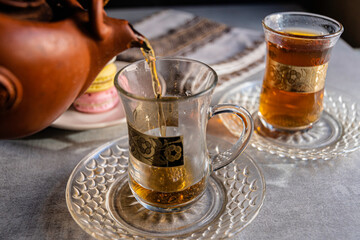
[(324, 36), (177, 99)]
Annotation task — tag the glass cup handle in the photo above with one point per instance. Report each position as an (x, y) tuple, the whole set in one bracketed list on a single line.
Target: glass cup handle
[(222, 159)]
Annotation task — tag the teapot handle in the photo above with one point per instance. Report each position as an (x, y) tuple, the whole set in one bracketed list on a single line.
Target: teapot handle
[(10, 90), (96, 15)]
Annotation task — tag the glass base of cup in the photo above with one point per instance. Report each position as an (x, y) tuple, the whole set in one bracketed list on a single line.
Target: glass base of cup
[(326, 131), (268, 129), (163, 209), (133, 213)]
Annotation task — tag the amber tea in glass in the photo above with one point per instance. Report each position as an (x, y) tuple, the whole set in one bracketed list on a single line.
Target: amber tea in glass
[(169, 163), (298, 52)]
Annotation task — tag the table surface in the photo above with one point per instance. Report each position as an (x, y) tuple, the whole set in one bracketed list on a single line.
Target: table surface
[(304, 200)]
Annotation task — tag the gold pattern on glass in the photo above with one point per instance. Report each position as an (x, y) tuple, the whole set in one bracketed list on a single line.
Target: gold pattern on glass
[(296, 78), (156, 151)]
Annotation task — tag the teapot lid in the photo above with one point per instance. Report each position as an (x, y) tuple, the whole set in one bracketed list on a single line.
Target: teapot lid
[(22, 3), (37, 10)]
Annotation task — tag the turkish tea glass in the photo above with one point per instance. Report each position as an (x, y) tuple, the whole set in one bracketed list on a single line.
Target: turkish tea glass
[(298, 51), (169, 163)]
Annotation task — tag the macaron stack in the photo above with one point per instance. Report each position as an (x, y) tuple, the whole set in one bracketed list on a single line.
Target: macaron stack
[(101, 96)]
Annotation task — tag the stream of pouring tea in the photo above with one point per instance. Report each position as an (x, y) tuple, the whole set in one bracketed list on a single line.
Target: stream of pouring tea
[(149, 55)]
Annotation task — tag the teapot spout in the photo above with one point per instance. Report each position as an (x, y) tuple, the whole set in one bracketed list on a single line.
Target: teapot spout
[(113, 36), (125, 36), (116, 33)]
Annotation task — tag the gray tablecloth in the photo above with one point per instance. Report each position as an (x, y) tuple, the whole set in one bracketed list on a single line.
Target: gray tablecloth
[(304, 200)]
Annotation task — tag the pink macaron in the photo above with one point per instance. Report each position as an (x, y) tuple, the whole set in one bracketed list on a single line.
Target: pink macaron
[(97, 102)]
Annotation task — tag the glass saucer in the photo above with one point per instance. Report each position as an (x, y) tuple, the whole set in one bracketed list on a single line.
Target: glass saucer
[(336, 133), (100, 200)]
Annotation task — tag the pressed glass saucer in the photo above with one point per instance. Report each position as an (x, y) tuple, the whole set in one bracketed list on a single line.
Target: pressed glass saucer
[(100, 200), (336, 133)]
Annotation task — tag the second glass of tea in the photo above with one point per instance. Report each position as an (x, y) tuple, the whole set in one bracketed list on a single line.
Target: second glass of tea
[(298, 52)]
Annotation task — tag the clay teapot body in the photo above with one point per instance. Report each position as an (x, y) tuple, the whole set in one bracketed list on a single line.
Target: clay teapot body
[(45, 66)]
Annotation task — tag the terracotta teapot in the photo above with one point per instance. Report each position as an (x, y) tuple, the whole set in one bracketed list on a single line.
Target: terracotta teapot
[(45, 65)]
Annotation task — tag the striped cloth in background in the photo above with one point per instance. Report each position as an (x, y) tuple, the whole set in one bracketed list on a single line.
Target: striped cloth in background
[(234, 53)]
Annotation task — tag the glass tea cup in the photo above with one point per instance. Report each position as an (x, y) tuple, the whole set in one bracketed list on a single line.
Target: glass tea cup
[(298, 52), (169, 163)]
